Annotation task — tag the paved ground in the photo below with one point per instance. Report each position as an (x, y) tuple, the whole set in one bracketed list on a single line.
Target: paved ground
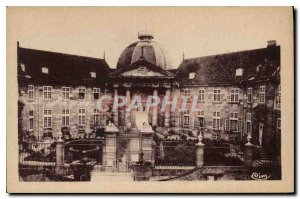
[(106, 177)]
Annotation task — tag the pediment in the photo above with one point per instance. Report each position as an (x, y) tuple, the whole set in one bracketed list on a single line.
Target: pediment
[(142, 71)]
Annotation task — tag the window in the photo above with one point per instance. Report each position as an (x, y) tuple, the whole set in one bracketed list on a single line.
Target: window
[(81, 93), (31, 122), (262, 94), (234, 121), (248, 117), (45, 70), (81, 116), (192, 75), (96, 116), (279, 97), (249, 95), (201, 95), (23, 68), (217, 95), (66, 92), (142, 70), (96, 92), (216, 136), (186, 118), (248, 123), (47, 118), (201, 119), (201, 113), (279, 123), (30, 92), (93, 74), (216, 120), (234, 95), (47, 92), (233, 124), (258, 68), (186, 92), (239, 72), (65, 117)]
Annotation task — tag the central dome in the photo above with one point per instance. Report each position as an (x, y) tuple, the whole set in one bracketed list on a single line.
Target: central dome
[(146, 48)]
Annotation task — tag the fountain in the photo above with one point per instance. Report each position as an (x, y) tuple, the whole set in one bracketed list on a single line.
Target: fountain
[(82, 168)]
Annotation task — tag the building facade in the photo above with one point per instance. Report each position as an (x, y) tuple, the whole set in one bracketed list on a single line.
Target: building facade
[(237, 94)]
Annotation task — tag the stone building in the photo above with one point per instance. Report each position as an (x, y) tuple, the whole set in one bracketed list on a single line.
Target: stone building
[(238, 93)]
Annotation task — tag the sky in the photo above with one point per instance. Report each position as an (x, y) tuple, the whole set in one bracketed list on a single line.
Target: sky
[(193, 31)]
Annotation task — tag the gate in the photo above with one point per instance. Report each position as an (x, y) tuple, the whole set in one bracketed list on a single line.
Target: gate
[(128, 150)]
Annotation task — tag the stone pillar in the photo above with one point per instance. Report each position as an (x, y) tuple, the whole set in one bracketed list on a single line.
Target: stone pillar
[(154, 111), (248, 152), (147, 140), (127, 114), (176, 113), (199, 152), (260, 133), (60, 154), (110, 148), (167, 111), (153, 151), (116, 115)]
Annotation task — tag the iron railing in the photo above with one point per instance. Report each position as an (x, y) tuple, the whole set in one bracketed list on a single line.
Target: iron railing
[(223, 156), (37, 153)]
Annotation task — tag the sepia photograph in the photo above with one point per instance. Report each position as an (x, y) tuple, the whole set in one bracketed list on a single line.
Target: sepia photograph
[(159, 96)]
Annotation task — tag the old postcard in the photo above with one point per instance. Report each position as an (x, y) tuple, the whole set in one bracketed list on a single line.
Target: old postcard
[(150, 99)]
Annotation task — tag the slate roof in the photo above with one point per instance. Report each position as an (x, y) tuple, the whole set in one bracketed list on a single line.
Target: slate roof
[(221, 69), (62, 67)]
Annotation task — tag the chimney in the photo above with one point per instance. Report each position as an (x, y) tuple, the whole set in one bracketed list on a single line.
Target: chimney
[(271, 43)]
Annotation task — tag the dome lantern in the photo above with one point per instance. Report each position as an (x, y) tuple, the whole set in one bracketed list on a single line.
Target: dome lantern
[(145, 36)]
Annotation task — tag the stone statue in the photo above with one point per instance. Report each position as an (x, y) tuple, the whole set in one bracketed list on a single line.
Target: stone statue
[(200, 138), (146, 128), (111, 128)]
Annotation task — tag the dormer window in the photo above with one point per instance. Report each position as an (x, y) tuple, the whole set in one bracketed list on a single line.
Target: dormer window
[(258, 68), (192, 75), (239, 72), (23, 67), (93, 74), (45, 70)]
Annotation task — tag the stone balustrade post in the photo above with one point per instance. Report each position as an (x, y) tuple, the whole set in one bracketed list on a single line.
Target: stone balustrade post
[(248, 152), (60, 154), (200, 152)]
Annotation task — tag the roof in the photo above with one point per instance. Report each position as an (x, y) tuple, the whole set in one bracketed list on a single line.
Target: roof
[(174, 71), (146, 48), (61, 67), (257, 64)]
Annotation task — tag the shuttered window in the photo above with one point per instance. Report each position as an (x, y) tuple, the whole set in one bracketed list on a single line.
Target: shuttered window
[(30, 120), (216, 120)]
